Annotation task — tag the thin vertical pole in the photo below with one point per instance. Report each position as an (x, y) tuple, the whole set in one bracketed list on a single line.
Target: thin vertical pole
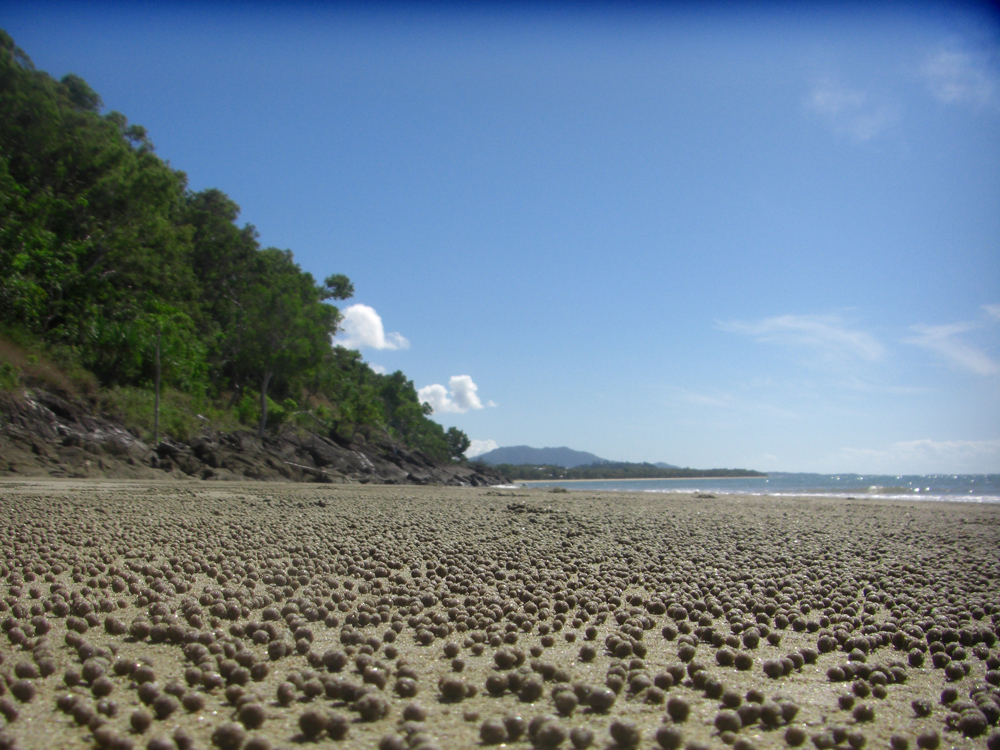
[(156, 407)]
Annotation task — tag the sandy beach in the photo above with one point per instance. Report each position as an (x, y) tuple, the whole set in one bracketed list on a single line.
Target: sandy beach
[(152, 614)]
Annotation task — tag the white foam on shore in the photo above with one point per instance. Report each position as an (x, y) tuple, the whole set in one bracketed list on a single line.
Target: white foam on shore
[(839, 495), (921, 497)]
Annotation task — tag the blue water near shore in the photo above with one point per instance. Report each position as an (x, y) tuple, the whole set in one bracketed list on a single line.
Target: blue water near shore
[(969, 488)]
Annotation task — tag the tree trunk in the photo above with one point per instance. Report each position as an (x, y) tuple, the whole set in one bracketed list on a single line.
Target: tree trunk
[(156, 403), (265, 382)]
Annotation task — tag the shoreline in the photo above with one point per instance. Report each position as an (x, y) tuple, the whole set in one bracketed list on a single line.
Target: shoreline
[(966, 488), (634, 479)]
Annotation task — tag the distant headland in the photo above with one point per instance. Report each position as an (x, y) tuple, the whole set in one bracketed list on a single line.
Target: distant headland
[(525, 463)]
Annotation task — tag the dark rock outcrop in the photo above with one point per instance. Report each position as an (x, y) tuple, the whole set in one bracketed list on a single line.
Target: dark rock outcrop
[(44, 435)]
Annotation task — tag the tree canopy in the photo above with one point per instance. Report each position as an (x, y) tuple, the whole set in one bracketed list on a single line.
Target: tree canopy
[(103, 248)]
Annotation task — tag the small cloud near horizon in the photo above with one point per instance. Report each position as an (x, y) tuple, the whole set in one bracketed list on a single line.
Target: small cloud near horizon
[(362, 328), (479, 447), (928, 457), (827, 334), (380, 369), (459, 397)]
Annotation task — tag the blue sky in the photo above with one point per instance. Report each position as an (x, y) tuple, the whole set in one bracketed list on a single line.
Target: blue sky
[(725, 235)]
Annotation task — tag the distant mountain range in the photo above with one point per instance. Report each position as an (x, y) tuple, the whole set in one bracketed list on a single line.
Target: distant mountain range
[(566, 457)]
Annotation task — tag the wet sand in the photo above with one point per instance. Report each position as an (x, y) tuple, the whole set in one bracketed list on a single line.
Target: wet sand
[(198, 582)]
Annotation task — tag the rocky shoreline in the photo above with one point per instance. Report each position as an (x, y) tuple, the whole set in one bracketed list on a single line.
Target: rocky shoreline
[(45, 435)]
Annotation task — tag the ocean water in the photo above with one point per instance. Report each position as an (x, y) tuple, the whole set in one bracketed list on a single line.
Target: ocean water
[(970, 488)]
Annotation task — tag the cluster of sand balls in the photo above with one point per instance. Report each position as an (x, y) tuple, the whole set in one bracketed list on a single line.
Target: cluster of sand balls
[(182, 617)]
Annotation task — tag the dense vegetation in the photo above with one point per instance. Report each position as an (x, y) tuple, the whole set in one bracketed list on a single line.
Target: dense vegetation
[(622, 470), (112, 272)]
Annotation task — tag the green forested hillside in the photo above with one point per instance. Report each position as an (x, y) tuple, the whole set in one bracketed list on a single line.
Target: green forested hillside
[(107, 260)]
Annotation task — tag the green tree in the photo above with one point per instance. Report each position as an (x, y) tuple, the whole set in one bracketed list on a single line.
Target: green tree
[(347, 389), (89, 214), (407, 418), (123, 348), (287, 326), (458, 443), (222, 260), (80, 94)]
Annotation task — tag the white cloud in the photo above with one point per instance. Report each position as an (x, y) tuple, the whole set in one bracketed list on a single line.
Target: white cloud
[(827, 334), (362, 328), (944, 340), (701, 399), (437, 396), (993, 311), (729, 402), (479, 447), (927, 457), (380, 369), (832, 100), (850, 111), (458, 398), (955, 76)]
